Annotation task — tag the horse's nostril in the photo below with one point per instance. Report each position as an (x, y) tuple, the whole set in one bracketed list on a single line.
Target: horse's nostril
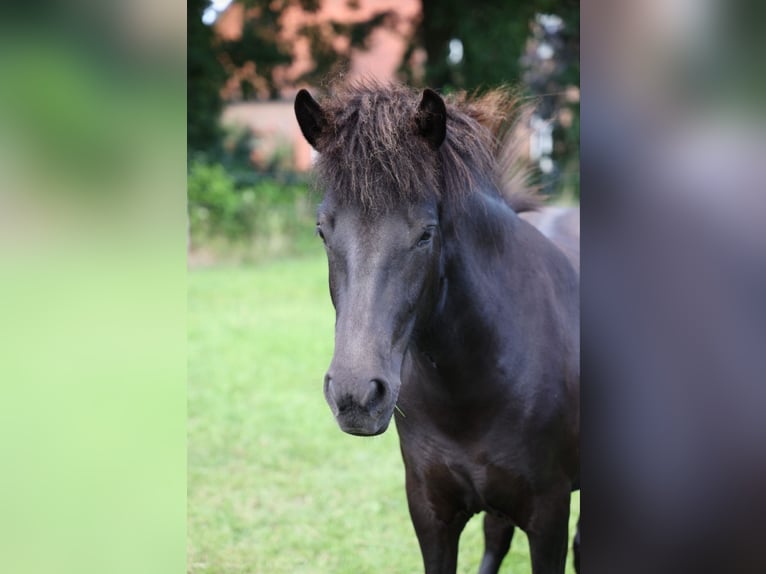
[(328, 386), (376, 390)]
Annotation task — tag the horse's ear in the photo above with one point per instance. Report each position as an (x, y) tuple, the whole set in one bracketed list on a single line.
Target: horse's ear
[(310, 117), (431, 118)]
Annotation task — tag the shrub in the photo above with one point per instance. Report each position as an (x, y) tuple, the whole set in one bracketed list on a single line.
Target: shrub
[(254, 217)]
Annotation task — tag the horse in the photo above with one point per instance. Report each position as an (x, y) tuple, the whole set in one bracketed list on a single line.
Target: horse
[(454, 315)]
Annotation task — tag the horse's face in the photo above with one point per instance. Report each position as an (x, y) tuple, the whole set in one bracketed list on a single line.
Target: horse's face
[(384, 278), (384, 272)]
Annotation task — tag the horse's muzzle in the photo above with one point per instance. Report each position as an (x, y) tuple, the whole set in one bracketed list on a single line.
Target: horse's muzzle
[(360, 409)]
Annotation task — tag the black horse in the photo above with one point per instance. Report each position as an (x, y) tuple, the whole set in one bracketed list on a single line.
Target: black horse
[(452, 312)]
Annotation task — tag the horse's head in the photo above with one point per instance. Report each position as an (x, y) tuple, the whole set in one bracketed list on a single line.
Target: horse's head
[(383, 246)]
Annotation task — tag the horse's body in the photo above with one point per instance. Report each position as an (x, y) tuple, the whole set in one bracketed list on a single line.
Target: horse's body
[(456, 311), (562, 226), (490, 419)]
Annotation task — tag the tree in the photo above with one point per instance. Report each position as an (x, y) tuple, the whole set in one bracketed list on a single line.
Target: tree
[(204, 77), (211, 61), (493, 35)]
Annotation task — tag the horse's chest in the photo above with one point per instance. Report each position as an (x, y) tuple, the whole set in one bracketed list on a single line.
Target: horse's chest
[(458, 479)]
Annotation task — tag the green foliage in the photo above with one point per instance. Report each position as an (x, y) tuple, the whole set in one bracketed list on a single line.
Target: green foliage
[(215, 207), (327, 58), (258, 217), (569, 157), (204, 77), (273, 485), (261, 44), (494, 35)]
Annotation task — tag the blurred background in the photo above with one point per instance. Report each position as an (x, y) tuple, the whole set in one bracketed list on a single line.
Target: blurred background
[(103, 358), (248, 162), (92, 286)]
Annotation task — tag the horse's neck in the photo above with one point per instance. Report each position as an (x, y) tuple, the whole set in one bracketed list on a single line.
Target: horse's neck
[(500, 293)]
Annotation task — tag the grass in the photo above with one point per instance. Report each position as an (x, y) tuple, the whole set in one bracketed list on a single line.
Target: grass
[(273, 485)]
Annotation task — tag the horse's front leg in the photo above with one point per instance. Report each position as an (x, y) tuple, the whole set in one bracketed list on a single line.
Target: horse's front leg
[(437, 525), (548, 533), (498, 533), (576, 548)]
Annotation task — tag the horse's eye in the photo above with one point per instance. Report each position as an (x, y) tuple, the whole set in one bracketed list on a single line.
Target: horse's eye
[(319, 232), (426, 237)]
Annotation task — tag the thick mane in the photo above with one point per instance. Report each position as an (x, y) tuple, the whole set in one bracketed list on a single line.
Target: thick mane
[(371, 153)]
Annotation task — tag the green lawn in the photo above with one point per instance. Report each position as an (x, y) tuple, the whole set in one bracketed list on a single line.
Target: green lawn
[(273, 485)]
